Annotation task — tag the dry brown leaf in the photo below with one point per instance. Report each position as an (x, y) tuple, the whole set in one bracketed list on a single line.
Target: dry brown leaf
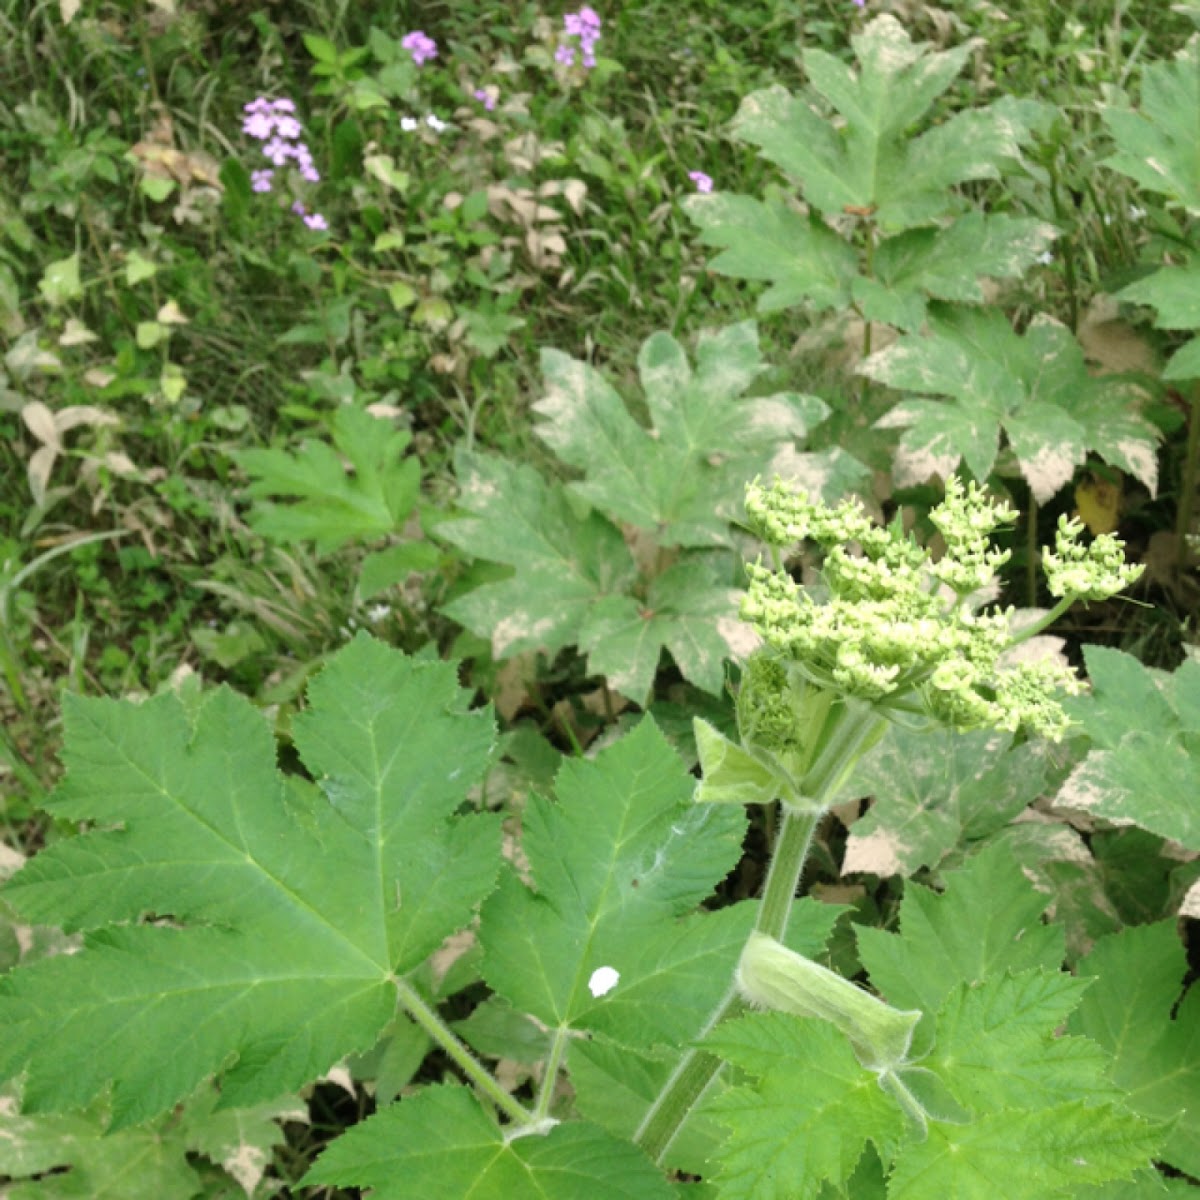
[(39, 420)]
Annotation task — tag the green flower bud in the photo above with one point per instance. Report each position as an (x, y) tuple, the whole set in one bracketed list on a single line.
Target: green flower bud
[(772, 976)]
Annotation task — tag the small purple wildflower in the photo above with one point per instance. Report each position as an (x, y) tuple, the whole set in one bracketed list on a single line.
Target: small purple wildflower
[(421, 47), (860, 3), (316, 221), (272, 122), (584, 25), (298, 208), (485, 98), (703, 182)]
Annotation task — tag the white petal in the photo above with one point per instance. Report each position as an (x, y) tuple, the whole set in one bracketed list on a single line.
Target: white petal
[(603, 980)]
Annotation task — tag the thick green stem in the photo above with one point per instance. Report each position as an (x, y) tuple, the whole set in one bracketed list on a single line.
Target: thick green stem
[(847, 737), (425, 1016)]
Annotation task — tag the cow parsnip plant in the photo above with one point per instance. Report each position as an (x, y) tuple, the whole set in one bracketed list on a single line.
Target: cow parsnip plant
[(639, 554), (256, 928), (883, 229)]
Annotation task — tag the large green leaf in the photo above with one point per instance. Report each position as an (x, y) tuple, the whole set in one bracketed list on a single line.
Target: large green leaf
[(1145, 763), (326, 504), (871, 162), (1035, 387), (801, 257), (1159, 147), (72, 1155), (565, 561), (241, 922), (683, 477), (1133, 1010), (867, 162), (617, 861), (441, 1143), (933, 791), (808, 1115), (689, 610), (989, 1067), (986, 922)]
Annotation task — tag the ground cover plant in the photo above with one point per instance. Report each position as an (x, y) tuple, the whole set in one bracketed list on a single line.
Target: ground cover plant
[(600, 601)]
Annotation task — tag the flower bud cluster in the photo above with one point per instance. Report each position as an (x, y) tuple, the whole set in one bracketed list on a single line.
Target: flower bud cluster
[(887, 632), (1092, 572)]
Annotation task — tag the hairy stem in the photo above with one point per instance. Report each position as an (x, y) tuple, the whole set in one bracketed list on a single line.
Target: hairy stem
[(428, 1019), (847, 738)]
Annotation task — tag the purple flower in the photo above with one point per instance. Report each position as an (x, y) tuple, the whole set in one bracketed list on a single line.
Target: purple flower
[(703, 182), (260, 181), (485, 98), (584, 25), (298, 208), (278, 151), (316, 221), (421, 47)]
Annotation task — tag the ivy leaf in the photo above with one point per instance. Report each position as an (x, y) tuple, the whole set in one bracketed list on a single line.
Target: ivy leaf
[(440, 1142), (808, 1116), (327, 505), (1144, 766), (1035, 387), (1132, 1008), (1157, 147), (986, 922), (684, 477), (275, 912), (565, 562), (933, 791), (616, 861)]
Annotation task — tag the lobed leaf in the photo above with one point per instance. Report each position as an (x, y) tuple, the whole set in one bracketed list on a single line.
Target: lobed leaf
[(327, 505), (932, 791), (616, 862), (1133, 1010), (1158, 147), (1036, 388), (240, 923), (440, 1142), (1145, 729)]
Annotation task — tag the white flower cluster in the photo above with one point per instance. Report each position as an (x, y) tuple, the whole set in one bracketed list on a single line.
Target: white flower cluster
[(888, 633)]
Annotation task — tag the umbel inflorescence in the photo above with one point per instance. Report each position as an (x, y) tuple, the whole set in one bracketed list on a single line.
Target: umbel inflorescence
[(893, 626)]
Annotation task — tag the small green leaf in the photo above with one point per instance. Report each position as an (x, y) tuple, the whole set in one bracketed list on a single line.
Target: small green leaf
[(322, 49), (60, 284), (138, 268), (324, 504)]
